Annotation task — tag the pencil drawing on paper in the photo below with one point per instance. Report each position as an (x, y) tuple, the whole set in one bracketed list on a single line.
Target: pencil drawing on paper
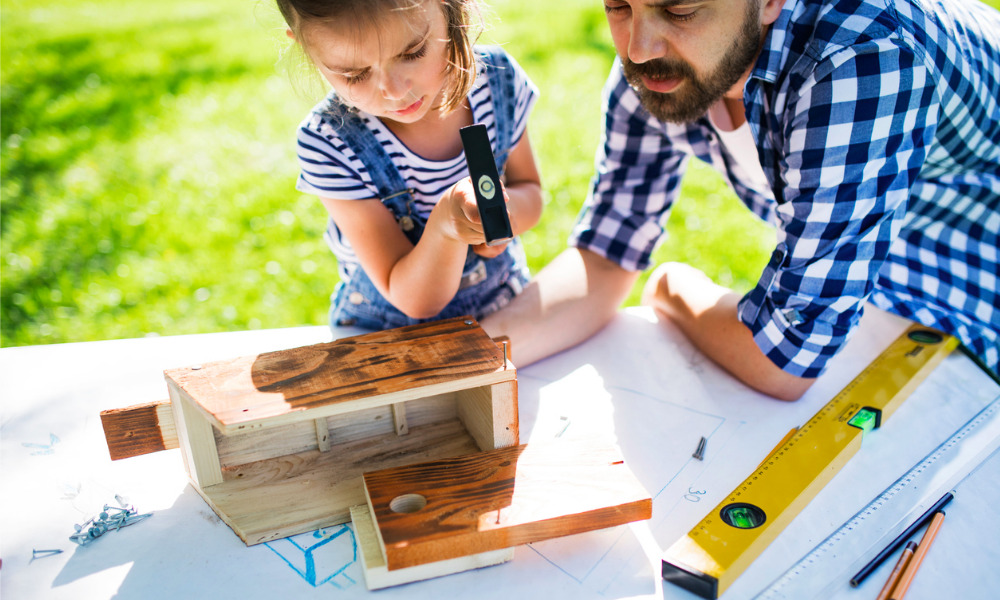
[(40, 449), (320, 557)]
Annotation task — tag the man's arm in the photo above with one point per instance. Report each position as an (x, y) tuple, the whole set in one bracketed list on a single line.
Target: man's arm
[(569, 300), (707, 313)]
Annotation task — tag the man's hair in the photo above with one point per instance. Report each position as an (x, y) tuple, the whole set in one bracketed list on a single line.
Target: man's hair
[(463, 19)]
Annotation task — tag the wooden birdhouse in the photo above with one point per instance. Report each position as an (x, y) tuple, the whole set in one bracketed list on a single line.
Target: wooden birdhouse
[(286, 442)]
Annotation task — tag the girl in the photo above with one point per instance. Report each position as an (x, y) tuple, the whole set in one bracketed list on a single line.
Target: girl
[(384, 155)]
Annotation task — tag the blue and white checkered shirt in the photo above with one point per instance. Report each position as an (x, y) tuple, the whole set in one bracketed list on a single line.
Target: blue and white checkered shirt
[(878, 127)]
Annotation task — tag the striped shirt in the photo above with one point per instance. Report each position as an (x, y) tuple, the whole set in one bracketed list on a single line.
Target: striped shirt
[(877, 126), (330, 169)]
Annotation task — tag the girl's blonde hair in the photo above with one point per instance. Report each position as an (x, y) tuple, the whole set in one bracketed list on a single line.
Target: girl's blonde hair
[(462, 16)]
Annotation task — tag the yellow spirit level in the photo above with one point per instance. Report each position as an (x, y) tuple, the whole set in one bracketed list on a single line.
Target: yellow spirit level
[(717, 550)]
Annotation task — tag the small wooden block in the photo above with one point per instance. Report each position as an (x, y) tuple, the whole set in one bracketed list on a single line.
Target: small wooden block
[(482, 502), (378, 576), (322, 435), (139, 429)]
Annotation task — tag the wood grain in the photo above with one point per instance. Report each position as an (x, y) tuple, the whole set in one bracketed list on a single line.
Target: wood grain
[(140, 429), (273, 442), (275, 498), (345, 375), (196, 438), (503, 498)]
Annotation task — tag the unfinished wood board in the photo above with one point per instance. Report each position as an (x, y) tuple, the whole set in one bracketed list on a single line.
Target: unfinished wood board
[(345, 375), (272, 442), (378, 576), (502, 498), (293, 494), (196, 439), (490, 414)]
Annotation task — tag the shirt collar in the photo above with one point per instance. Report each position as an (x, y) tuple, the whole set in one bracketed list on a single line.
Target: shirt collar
[(774, 48)]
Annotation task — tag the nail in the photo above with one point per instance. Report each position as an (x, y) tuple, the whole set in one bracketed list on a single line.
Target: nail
[(699, 453), (43, 553), (79, 528)]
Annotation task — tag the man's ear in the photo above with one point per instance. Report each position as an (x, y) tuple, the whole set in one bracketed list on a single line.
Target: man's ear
[(769, 11)]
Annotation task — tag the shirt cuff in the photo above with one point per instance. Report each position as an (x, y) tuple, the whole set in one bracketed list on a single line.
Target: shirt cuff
[(794, 344)]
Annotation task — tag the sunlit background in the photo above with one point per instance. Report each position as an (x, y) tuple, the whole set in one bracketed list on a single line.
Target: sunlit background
[(148, 167)]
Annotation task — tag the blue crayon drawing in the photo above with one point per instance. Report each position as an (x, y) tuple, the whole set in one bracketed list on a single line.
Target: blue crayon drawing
[(321, 556), (43, 448)]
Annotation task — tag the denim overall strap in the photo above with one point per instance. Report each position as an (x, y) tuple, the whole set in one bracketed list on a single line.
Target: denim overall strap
[(392, 190), (487, 285), (500, 75)]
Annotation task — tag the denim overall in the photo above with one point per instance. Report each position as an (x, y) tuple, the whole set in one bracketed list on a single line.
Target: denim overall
[(487, 284)]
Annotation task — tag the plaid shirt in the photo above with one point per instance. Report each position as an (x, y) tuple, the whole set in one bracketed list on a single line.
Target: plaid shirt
[(878, 127)]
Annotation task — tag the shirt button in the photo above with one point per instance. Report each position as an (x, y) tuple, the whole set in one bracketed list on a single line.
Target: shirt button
[(356, 298)]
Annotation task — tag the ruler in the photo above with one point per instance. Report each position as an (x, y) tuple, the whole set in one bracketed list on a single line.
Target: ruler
[(725, 542), (853, 544)]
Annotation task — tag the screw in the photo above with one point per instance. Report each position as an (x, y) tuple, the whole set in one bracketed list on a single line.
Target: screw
[(43, 553)]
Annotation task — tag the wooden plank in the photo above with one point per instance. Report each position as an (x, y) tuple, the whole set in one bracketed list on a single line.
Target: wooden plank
[(196, 438), (378, 576), (500, 499), (345, 375), (293, 438), (139, 429), (292, 494), (490, 414)]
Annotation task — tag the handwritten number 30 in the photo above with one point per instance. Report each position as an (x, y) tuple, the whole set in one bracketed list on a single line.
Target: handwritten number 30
[(694, 495)]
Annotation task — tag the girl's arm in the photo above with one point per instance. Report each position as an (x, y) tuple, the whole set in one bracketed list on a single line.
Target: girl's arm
[(523, 187), (418, 280)]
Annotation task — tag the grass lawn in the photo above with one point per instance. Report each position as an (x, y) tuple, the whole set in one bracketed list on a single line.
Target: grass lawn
[(148, 168)]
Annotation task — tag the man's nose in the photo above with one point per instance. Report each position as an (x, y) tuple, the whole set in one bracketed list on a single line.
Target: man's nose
[(646, 41)]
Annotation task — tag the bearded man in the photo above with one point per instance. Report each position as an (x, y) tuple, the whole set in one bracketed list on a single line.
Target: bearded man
[(866, 131)]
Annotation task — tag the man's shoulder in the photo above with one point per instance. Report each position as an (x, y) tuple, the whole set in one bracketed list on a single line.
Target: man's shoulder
[(827, 27)]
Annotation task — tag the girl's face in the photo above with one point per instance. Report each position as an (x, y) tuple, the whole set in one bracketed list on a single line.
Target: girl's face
[(394, 68)]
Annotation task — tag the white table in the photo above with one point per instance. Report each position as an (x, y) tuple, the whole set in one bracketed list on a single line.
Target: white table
[(637, 380)]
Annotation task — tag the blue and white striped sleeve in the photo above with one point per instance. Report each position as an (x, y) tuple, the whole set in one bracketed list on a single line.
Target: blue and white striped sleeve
[(328, 168), (856, 135), (526, 94)]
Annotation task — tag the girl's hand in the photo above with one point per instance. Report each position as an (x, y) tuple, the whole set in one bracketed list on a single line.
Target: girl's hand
[(458, 215), (489, 251)]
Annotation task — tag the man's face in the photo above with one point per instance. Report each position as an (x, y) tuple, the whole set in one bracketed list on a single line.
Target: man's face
[(682, 56)]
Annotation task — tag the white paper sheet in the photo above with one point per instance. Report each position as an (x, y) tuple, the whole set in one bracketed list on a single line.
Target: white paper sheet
[(637, 381)]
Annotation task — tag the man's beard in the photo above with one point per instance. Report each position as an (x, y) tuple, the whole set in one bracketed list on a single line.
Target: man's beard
[(692, 99)]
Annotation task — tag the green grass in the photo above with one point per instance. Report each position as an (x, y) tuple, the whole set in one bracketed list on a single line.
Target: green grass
[(147, 168)]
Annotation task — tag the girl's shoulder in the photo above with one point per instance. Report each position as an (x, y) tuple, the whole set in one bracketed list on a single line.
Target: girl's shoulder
[(498, 69), (495, 57), (332, 114)]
